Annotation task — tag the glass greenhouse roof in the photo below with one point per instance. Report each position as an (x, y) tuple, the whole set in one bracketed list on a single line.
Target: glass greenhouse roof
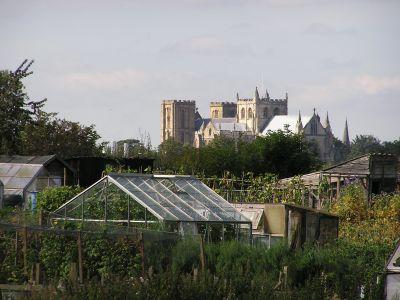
[(168, 198), (16, 177)]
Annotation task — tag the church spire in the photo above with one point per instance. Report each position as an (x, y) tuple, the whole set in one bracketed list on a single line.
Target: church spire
[(256, 95), (346, 139), (299, 124), (266, 94), (327, 124), (237, 96)]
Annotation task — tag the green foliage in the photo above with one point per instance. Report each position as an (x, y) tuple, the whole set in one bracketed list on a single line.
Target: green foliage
[(363, 144), (13, 112), (392, 147), (52, 198), (32, 131), (62, 137), (238, 271), (364, 223), (185, 256), (282, 153), (263, 188)]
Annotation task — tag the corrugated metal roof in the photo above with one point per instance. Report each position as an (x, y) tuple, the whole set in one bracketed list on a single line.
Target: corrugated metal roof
[(279, 122)]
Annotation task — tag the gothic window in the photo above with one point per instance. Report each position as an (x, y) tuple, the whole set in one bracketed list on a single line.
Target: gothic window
[(182, 118), (216, 113), (209, 132), (313, 128), (265, 112), (242, 113), (250, 113), (168, 113), (276, 111)]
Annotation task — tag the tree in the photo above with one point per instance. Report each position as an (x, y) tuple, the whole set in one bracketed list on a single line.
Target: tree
[(218, 156), (364, 144), (392, 147), (26, 129), (48, 134), (282, 153), (14, 114), (286, 154), (169, 156)]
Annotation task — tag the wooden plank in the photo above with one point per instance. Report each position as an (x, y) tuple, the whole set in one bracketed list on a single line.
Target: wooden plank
[(37, 273)]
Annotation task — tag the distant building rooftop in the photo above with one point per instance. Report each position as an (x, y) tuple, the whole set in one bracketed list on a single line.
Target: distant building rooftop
[(279, 123)]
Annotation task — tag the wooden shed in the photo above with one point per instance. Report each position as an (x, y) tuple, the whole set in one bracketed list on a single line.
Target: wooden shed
[(377, 172), (272, 222), (392, 278), (24, 176)]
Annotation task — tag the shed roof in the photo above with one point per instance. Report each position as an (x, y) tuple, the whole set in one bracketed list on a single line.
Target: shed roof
[(17, 172), (357, 166), (18, 159), (17, 176), (168, 197)]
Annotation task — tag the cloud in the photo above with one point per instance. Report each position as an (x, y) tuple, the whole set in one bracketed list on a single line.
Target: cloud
[(128, 78), (333, 63), (373, 85), (203, 45), (337, 91), (326, 30), (114, 79)]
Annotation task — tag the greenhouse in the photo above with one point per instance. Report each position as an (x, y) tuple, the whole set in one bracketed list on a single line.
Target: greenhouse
[(163, 202)]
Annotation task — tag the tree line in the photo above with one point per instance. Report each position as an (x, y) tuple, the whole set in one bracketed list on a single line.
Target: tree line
[(27, 129), (281, 152)]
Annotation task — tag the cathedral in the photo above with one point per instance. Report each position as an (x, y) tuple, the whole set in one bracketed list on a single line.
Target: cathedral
[(245, 119)]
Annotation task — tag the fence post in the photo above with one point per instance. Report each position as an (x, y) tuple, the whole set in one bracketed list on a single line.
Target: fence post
[(40, 217), (37, 273), (25, 249), (80, 262), (202, 256), (142, 254), (16, 248)]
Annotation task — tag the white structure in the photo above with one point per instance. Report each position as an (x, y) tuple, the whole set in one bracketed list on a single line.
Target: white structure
[(392, 284)]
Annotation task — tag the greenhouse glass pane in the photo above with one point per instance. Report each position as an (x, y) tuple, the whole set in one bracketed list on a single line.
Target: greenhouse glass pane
[(175, 198), (139, 191)]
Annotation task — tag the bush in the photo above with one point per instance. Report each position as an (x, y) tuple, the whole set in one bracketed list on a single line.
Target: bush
[(52, 198)]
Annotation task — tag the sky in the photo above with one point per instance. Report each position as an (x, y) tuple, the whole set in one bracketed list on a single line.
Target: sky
[(111, 63)]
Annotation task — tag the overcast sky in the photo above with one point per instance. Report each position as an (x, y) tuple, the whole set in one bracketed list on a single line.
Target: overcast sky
[(110, 63)]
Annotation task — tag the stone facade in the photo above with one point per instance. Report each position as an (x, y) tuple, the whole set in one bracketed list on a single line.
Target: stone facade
[(321, 136), (220, 110), (257, 112), (178, 120)]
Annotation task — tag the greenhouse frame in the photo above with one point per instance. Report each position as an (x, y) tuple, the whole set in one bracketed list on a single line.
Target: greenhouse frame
[(174, 203)]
